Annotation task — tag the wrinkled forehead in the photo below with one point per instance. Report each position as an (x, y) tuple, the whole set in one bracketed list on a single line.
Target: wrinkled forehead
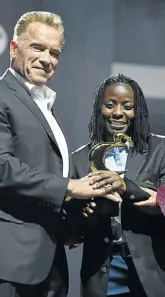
[(44, 34)]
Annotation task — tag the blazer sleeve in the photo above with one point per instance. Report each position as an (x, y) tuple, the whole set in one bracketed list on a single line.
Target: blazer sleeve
[(133, 191), (74, 206), (18, 179)]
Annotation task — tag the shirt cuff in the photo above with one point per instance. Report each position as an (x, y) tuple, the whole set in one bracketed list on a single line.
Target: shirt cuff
[(161, 198)]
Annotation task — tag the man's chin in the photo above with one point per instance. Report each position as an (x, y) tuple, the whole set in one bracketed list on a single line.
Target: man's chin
[(39, 81)]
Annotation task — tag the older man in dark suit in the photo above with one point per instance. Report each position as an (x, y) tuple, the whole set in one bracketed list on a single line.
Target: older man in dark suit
[(34, 164)]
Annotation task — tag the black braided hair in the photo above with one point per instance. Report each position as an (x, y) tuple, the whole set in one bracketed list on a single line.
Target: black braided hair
[(141, 129)]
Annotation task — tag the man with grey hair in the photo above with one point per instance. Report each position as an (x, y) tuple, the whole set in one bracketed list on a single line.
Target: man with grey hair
[(34, 165)]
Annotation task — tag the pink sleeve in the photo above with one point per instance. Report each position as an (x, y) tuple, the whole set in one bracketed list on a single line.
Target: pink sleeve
[(161, 198)]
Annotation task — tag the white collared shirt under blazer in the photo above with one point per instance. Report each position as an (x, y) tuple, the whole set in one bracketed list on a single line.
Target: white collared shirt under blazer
[(44, 97)]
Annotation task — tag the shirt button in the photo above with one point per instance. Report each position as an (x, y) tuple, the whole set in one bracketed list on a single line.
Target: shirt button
[(106, 239), (104, 269), (132, 197), (64, 211)]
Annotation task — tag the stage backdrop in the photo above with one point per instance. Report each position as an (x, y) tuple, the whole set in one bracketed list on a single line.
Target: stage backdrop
[(103, 37)]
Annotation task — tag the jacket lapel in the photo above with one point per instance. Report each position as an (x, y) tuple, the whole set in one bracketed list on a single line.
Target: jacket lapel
[(134, 164), (22, 94)]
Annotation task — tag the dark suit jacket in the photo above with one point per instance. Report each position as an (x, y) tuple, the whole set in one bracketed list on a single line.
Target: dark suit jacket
[(144, 233), (32, 188)]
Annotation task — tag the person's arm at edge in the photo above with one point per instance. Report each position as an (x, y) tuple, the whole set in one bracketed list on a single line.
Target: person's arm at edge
[(160, 198)]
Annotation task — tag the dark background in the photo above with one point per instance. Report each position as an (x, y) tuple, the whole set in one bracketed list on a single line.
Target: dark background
[(103, 37)]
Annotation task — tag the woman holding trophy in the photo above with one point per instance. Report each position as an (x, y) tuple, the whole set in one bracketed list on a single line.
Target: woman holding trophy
[(124, 238)]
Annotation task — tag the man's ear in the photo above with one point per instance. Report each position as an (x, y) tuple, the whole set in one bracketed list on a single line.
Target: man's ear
[(13, 48)]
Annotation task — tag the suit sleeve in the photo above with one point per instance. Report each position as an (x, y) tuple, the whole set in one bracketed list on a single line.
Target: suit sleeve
[(18, 179), (74, 206), (136, 194)]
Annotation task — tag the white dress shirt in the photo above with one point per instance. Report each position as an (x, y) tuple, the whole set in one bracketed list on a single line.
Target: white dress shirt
[(44, 97)]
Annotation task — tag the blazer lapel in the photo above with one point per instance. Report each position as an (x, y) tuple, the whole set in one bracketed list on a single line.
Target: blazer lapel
[(22, 94), (134, 164)]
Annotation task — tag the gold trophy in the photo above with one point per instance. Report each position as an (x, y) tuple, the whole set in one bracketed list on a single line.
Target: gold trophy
[(98, 152), (96, 159)]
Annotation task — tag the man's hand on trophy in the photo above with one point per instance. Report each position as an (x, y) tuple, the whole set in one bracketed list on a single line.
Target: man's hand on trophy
[(84, 188), (107, 179), (114, 197)]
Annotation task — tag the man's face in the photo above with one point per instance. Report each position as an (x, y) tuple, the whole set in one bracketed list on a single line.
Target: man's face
[(117, 109), (36, 55)]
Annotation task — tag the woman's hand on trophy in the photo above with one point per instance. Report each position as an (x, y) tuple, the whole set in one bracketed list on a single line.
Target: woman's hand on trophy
[(108, 179), (99, 207), (89, 208)]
